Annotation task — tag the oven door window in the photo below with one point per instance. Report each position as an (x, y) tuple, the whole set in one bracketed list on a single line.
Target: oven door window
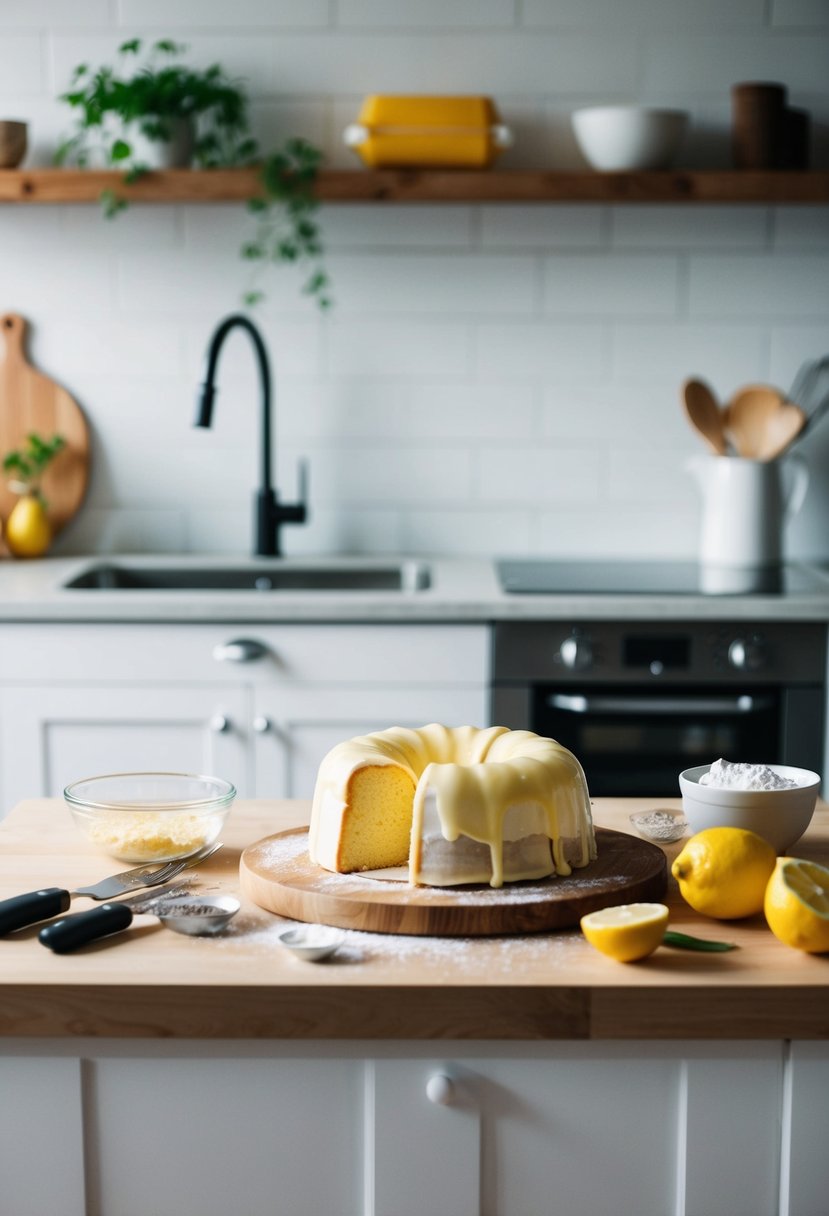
[(637, 741)]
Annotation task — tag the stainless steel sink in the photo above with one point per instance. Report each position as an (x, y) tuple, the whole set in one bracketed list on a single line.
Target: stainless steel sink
[(271, 576)]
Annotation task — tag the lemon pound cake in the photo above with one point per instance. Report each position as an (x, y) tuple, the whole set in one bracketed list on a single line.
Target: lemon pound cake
[(458, 804)]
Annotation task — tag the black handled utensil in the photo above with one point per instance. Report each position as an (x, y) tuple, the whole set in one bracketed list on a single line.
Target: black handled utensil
[(71, 932), (28, 909)]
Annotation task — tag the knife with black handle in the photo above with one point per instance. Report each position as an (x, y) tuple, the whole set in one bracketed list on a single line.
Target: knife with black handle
[(70, 932)]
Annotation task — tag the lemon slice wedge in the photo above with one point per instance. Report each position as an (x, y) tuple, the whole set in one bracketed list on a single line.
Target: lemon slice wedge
[(797, 904), (626, 932)]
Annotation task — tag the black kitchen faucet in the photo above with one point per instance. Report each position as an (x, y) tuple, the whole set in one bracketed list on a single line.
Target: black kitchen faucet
[(269, 513)]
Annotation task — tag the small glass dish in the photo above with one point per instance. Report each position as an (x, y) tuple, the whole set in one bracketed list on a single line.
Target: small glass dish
[(662, 826), (143, 817), (312, 942)]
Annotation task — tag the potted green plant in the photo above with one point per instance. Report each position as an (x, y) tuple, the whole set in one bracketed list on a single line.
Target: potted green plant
[(151, 111)]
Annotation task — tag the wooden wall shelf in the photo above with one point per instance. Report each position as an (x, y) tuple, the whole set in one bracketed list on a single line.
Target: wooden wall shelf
[(429, 186)]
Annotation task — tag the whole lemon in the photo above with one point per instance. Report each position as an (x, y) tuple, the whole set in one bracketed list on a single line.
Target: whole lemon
[(797, 904), (723, 872), (28, 531)]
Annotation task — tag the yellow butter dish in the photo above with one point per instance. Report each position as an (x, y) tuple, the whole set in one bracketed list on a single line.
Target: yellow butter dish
[(428, 132)]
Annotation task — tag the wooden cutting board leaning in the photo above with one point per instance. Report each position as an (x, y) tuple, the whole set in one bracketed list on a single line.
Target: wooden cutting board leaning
[(32, 402)]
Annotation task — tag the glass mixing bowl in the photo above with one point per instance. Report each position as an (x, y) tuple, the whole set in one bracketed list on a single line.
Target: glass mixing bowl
[(143, 817)]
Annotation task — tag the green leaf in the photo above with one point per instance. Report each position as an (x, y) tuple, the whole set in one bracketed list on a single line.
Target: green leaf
[(252, 298), (120, 150), (683, 941), (130, 48)]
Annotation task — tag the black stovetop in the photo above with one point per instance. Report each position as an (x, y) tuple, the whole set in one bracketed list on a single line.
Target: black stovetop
[(553, 576)]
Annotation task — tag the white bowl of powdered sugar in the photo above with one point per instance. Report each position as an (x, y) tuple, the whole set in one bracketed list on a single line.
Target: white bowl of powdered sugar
[(776, 801)]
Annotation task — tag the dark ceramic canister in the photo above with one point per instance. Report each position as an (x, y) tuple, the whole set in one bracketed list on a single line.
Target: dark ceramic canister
[(758, 125)]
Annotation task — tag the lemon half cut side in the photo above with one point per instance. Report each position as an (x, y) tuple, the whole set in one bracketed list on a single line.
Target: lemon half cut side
[(626, 932), (797, 904)]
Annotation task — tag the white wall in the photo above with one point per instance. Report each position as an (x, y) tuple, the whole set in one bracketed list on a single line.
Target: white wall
[(492, 379)]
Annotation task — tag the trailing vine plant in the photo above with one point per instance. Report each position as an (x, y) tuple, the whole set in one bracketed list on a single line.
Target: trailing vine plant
[(151, 95)]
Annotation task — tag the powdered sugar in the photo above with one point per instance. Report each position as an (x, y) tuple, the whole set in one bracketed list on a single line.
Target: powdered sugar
[(725, 776)]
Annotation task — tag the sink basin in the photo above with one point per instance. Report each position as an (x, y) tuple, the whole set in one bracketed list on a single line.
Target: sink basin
[(272, 576)]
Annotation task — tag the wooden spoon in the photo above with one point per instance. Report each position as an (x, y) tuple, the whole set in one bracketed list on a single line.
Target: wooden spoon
[(782, 428), (704, 414), (747, 417)]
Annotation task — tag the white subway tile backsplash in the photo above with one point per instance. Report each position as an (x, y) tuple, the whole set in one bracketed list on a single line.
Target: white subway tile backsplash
[(445, 285), (538, 474), (398, 348), (712, 63), (436, 14), (21, 67), (514, 63), (779, 286), (611, 285), (678, 227), (480, 533), (474, 412), (35, 14), (533, 349), (801, 228), (206, 14), (542, 227), (419, 226), (496, 379), (615, 529), (723, 355), (812, 13), (650, 14)]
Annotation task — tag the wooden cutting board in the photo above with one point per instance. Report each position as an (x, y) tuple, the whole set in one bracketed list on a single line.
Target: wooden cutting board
[(30, 401), (278, 875)]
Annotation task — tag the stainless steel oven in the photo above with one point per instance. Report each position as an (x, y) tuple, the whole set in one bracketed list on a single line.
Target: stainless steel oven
[(637, 703)]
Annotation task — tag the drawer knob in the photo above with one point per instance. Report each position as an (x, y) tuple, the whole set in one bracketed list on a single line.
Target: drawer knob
[(239, 650), (261, 724), (440, 1089), (219, 724)]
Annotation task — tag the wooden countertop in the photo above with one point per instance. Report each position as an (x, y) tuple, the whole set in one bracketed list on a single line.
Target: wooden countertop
[(152, 983)]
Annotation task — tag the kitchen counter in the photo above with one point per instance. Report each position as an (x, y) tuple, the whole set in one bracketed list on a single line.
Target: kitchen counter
[(460, 590), (154, 984)]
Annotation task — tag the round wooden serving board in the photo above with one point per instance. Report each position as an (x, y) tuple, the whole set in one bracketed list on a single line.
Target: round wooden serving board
[(30, 401), (278, 875)]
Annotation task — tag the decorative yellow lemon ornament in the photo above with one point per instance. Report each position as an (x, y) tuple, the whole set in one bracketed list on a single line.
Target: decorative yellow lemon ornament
[(723, 872), (627, 932), (28, 531), (797, 904)]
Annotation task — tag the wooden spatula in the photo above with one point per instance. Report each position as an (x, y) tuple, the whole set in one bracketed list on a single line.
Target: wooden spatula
[(31, 402), (704, 414)]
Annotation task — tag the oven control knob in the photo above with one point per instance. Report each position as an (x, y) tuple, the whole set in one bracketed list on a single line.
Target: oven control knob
[(746, 654), (576, 653)]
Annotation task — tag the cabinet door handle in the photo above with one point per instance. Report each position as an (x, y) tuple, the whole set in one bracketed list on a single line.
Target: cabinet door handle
[(440, 1089), (261, 724), (240, 650), (219, 724)]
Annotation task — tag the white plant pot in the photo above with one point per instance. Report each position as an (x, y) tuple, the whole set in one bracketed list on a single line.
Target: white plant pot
[(175, 153)]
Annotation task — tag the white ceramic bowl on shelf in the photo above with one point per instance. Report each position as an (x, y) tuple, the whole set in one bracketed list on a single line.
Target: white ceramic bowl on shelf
[(627, 138), (780, 816)]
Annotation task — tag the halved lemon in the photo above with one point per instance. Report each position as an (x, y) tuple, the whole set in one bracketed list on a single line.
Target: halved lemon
[(797, 904), (626, 932)]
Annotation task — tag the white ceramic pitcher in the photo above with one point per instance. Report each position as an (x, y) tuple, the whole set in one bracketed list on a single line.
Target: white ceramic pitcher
[(745, 504)]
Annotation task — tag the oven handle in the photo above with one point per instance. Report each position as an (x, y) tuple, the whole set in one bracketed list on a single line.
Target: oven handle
[(577, 703)]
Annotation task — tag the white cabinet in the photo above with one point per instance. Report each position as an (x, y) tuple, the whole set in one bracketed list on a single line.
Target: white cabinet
[(258, 705), (584, 1130), (546, 1129)]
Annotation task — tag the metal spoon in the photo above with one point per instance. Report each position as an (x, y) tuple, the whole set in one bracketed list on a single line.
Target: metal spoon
[(704, 414), (747, 418)]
